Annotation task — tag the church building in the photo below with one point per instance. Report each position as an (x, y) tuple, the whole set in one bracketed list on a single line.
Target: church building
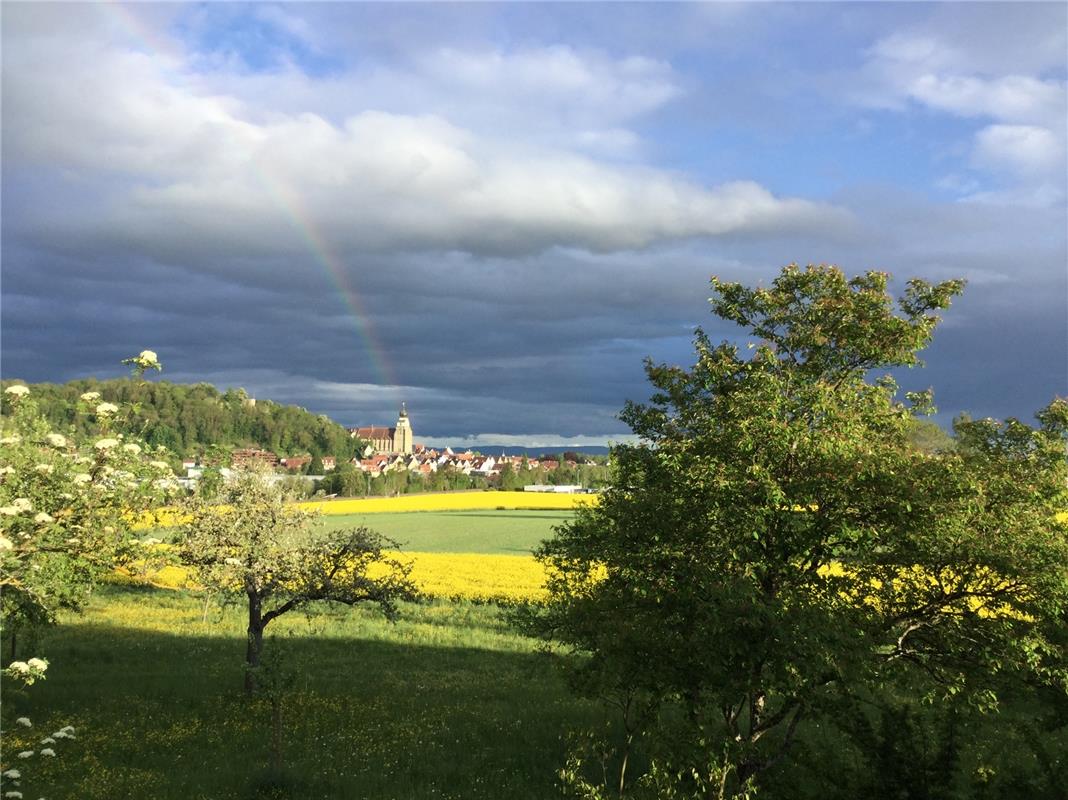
[(388, 440)]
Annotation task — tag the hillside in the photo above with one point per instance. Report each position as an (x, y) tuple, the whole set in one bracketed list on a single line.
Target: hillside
[(189, 419)]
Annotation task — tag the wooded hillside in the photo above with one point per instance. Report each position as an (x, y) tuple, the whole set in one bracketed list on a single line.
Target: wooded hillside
[(188, 419)]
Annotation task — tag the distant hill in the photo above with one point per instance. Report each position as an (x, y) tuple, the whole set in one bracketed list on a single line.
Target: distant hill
[(530, 452), (190, 418)]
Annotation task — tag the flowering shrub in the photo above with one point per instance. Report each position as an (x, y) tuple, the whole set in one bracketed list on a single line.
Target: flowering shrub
[(65, 507), (65, 512), (24, 674)]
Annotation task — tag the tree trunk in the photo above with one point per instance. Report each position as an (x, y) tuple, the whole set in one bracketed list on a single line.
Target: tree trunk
[(255, 641)]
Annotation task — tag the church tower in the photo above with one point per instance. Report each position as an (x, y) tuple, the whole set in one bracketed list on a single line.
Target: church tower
[(402, 438)]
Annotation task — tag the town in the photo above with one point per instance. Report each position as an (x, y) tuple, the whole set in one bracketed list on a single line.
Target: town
[(393, 450)]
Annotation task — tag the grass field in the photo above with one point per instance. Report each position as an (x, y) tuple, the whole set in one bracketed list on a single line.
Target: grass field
[(481, 556), (447, 703), (489, 531)]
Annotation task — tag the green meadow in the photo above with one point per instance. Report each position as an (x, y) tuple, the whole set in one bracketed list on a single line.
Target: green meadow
[(485, 531), (448, 702)]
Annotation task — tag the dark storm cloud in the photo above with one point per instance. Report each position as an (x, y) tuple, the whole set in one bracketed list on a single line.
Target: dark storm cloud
[(489, 223)]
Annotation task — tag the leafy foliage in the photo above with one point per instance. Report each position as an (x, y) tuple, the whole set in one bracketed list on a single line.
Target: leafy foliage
[(66, 503), (191, 419), (777, 542)]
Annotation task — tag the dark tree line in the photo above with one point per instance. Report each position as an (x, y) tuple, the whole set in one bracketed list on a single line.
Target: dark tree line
[(188, 419)]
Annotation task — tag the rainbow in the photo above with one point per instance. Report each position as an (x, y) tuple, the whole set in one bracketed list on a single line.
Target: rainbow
[(288, 201), (301, 221)]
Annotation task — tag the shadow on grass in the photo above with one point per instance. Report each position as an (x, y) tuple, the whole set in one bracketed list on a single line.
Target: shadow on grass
[(374, 711)]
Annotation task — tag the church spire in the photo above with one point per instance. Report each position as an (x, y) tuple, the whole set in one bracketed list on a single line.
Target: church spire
[(402, 434)]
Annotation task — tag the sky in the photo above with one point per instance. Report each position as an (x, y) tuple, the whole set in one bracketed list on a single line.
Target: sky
[(496, 212)]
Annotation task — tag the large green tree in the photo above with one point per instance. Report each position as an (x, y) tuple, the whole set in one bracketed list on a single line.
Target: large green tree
[(776, 542)]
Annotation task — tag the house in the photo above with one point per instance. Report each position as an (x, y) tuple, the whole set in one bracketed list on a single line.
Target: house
[(249, 455)]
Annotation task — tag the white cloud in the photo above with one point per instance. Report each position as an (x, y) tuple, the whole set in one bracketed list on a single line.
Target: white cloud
[(584, 85), (1025, 149), (549, 95), (1022, 145), (187, 163), (1012, 97)]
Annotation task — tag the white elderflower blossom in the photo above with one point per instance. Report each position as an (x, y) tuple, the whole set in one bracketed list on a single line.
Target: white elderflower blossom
[(43, 518), (5, 543), (44, 469), (8, 511), (90, 397), (22, 504), (11, 774), (56, 440), (60, 735), (38, 664), (234, 562), (106, 444), (159, 464), (104, 409), (12, 439), (24, 722), (21, 667), (150, 541), (68, 729), (18, 390), (147, 358), (82, 477), (131, 448), (48, 751), (7, 469), (14, 794), (48, 740), (26, 754)]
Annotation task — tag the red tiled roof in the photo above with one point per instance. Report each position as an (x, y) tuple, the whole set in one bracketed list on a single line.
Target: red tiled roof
[(375, 432)]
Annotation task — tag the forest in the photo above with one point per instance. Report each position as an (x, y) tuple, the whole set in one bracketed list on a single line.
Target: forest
[(192, 419)]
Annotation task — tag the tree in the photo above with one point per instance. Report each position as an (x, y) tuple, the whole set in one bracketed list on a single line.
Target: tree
[(508, 480), (775, 542), (315, 466), (928, 436), (260, 547), (67, 504)]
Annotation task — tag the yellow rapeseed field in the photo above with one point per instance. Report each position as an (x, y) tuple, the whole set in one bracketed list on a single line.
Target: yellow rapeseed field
[(441, 501), (452, 576), (452, 501), (478, 577), (458, 576)]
